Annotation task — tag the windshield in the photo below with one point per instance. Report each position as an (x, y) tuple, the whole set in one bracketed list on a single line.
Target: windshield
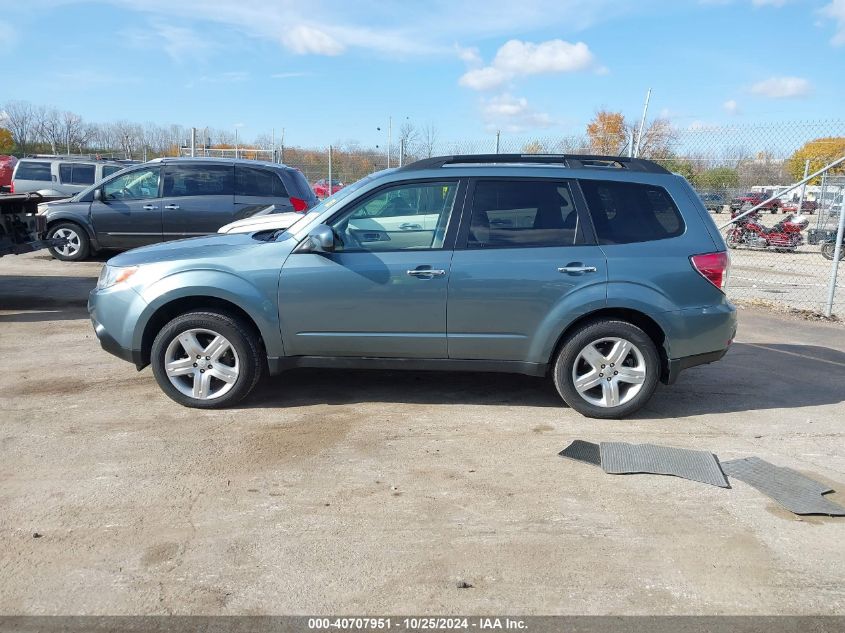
[(340, 194)]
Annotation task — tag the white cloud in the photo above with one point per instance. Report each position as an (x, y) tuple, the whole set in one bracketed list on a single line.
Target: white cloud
[(731, 106), (289, 75), (516, 58), (782, 87), (178, 42), (512, 114), (305, 40), (469, 55), (836, 12)]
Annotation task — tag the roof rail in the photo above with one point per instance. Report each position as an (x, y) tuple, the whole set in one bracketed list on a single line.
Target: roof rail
[(572, 161)]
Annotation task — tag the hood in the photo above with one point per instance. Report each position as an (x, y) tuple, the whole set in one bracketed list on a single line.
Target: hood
[(212, 247), (269, 222)]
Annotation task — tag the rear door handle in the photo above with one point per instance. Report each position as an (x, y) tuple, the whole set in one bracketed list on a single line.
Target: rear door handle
[(426, 273), (171, 206), (577, 269), (150, 207)]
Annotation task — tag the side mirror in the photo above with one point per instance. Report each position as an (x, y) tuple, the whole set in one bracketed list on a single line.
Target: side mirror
[(321, 239)]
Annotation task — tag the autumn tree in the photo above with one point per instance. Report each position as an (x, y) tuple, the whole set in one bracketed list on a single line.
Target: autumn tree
[(819, 152), (6, 141), (717, 178), (607, 132)]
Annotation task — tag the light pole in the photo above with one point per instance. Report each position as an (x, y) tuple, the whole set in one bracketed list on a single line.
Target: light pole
[(389, 138)]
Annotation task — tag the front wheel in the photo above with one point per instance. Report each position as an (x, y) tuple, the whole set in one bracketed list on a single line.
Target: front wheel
[(607, 369), (207, 360), (77, 246)]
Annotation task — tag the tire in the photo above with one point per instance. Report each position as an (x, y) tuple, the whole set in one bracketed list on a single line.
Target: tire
[(732, 239), (78, 246), (829, 250), (602, 336), (236, 364)]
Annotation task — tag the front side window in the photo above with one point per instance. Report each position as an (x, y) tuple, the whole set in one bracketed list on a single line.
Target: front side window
[(29, 170), (264, 183), (628, 212), (522, 214), (198, 180), (76, 174), (136, 185), (405, 217)]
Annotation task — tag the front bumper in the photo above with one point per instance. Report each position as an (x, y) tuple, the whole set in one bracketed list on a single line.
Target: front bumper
[(113, 316)]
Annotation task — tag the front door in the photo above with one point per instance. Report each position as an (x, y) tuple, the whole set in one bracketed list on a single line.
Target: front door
[(383, 292), (128, 213), (197, 199), (525, 263)]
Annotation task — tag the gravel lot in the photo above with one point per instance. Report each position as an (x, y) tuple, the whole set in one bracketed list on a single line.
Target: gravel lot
[(378, 492)]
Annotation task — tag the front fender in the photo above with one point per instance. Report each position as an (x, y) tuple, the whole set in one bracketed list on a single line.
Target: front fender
[(259, 303), (71, 216)]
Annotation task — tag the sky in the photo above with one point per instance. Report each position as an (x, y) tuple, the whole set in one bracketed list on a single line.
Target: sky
[(332, 71)]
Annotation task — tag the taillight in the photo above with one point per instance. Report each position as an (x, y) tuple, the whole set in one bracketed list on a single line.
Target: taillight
[(299, 205), (12, 187), (713, 267)]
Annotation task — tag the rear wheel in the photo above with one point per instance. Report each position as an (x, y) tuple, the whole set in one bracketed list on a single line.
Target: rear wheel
[(829, 250), (77, 246), (607, 369), (207, 360)]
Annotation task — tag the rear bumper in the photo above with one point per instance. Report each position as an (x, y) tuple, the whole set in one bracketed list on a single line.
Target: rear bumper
[(676, 365)]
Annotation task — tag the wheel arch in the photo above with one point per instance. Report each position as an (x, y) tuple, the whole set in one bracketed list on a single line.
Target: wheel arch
[(183, 305), (61, 218), (642, 320)]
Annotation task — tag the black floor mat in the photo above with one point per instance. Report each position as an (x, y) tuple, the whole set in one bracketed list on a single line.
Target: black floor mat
[(791, 489), (582, 451), (620, 458)]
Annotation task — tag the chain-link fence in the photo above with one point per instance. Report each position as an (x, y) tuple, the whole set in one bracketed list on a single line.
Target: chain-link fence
[(774, 261)]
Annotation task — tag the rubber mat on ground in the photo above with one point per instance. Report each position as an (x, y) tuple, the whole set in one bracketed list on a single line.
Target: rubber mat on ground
[(621, 458), (582, 451), (791, 489)]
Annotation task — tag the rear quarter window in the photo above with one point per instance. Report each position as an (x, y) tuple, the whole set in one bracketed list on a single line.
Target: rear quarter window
[(29, 170), (251, 181), (627, 212)]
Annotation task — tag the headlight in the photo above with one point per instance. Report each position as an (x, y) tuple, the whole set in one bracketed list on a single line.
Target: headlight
[(112, 275)]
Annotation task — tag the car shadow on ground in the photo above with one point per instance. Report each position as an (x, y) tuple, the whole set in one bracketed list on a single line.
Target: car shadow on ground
[(749, 377), (44, 298)]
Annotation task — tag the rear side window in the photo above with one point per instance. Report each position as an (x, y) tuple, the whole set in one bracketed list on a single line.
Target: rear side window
[(250, 181), (627, 212), (522, 214), (108, 170), (29, 170), (197, 180), (73, 174)]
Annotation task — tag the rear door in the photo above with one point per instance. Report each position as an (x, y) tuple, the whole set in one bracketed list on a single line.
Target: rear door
[(197, 199), (257, 188), (128, 213), (525, 263)]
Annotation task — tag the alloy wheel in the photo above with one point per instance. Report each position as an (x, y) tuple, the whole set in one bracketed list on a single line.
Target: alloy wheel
[(72, 244), (609, 372), (202, 364)]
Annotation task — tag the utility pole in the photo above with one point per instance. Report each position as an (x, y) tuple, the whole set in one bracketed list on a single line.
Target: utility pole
[(273, 144), (193, 142), (329, 190), (283, 146), (236, 142), (642, 124), (804, 186), (498, 137), (389, 138)]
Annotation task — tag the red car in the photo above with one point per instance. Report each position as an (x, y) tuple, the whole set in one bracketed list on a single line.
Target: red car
[(321, 187), (808, 206), (7, 166), (754, 198)]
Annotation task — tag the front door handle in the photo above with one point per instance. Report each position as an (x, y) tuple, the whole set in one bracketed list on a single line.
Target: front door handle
[(577, 269), (409, 226), (426, 273), (150, 207), (172, 207)]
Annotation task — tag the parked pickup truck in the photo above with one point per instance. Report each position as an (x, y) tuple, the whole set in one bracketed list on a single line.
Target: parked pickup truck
[(754, 199), (20, 225)]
